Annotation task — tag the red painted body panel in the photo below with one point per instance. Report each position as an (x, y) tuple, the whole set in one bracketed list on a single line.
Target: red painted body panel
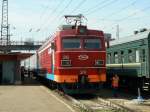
[(45, 61), (76, 62)]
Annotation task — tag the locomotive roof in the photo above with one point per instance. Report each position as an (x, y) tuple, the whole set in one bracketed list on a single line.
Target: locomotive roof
[(65, 27), (140, 35)]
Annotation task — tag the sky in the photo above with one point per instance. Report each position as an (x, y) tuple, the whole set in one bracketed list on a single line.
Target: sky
[(39, 19)]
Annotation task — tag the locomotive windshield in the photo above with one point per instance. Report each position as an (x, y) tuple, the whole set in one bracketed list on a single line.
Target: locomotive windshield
[(71, 43), (92, 44), (76, 43)]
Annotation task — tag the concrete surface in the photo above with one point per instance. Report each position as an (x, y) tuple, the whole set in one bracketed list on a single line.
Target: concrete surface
[(30, 99)]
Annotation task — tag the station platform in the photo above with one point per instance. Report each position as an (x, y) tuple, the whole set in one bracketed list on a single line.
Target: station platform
[(25, 98)]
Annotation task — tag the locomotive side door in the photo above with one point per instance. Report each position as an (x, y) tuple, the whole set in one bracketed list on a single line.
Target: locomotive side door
[(52, 56)]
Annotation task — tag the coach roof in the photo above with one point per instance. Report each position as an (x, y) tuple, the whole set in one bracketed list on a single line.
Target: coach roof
[(140, 35)]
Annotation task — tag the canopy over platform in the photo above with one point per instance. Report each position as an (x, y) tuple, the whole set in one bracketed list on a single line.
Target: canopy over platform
[(14, 56)]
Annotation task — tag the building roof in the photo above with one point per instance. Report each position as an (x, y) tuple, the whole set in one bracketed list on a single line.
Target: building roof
[(140, 35), (14, 56)]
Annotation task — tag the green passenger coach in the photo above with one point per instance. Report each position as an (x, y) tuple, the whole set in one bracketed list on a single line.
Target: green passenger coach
[(130, 58)]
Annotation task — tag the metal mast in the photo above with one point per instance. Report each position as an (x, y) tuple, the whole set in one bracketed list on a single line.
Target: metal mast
[(5, 37)]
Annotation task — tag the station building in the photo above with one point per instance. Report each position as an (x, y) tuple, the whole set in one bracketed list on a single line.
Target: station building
[(10, 69)]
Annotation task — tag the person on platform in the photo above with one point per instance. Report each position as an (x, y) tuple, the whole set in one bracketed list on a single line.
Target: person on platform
[(22, 74), (115, 85)]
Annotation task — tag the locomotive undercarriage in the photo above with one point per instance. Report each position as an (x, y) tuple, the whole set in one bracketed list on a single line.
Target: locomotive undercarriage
[(80, 87)]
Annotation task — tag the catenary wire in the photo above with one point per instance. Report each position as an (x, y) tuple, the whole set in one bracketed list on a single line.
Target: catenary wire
[(95, 6), (58, 17), (101, 7), (78, 6), (133, 14), (50, 14), (122, 9)]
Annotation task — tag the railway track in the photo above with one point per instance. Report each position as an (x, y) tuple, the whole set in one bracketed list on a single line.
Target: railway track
[(101, 102), (94, 104)]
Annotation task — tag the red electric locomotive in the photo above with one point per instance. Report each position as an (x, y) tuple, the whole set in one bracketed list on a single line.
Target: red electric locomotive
[(74, 59)]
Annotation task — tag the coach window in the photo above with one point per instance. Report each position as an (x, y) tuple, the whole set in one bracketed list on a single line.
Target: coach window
[(137, 56), (122, 57), (116, 57), (130, 56), (143, 55), (109, 58), (71, 43), (92, 44)]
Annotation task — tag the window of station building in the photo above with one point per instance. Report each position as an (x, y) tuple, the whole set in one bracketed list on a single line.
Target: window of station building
[(92, 44), (137, 56), (122, 57), (71, 43), (116, 57), (130, 56)]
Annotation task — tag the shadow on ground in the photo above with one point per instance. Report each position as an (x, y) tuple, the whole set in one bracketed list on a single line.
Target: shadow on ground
[(30, 82)]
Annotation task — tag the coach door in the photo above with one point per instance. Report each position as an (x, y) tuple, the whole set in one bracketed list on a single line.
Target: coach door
[(1, 75), (143, 62)]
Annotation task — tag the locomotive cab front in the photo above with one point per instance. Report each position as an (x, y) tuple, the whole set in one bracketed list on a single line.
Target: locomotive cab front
[(80, 57)]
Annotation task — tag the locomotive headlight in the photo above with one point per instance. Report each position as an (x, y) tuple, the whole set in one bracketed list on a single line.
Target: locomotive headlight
[(65, 63), (99, 62)]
